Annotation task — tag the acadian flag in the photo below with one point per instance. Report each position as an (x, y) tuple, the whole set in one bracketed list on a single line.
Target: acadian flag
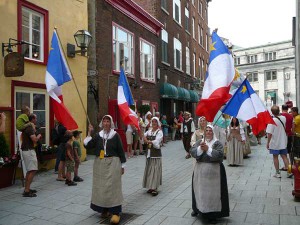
[(247, 106), (125, 100), (220, 74), (57, 74)]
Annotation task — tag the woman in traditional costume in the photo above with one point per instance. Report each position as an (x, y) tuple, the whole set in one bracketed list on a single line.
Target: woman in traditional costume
[(236, 140), (153, 169), (209, 182), (108, 168), (199, 133)]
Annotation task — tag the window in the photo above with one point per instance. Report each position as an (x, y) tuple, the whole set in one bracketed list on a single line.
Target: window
[(147, 52), (194, 65), (252, 77), (200, 8), (237, 61), (164, 45), (203, 70), (164, 4), (193, 28), (33, 28), (176, 11), (207, 42), (188, 62), (271, 75), (270, 56), (201, 37), (251, 58), (122, 50), (200, 70), (38, 102), (187, 18), (177, 54)]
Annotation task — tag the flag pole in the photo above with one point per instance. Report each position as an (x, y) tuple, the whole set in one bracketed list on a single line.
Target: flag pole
[(73, 78)]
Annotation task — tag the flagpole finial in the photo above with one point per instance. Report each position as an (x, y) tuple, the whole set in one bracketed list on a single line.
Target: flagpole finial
[(55, 27)]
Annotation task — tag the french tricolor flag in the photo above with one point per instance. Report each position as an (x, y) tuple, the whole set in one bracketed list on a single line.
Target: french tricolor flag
[(125, 100), (219, 76), (57, 74), (247, 106)]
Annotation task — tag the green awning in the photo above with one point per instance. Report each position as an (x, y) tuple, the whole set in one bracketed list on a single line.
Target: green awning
[(194, 96), (183, 94), (168, 90)]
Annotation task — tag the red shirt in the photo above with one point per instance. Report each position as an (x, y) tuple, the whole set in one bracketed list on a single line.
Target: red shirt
[(289, 123), (180, 119)]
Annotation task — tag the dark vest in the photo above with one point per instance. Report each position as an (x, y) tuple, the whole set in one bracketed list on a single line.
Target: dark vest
[(154, 152), (187, 126)]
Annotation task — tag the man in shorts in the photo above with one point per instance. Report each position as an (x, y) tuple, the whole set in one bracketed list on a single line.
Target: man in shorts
[(277, 140), (29, 140)]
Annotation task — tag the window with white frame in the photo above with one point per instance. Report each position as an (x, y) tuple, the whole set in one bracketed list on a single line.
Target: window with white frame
[(187, 18), (177, 54), (122, 50), (200, 69), (251, 58), (271, 75), (33, 33), (207, 42), (201, 37), (252, 77), (269, 56), (38, 102), (194, 64), (147, 62), (164, 45), (177, 11), (193, 28), (188, 62), (237, 60), (164, 4), (200, 8)]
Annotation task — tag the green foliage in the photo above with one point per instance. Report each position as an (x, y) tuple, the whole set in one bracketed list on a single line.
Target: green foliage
[(144, 109), (4, 148)]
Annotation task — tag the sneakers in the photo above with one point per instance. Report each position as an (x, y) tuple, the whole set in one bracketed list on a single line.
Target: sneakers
[(77, 179), (277, 175), (289, 175), (70, 183)]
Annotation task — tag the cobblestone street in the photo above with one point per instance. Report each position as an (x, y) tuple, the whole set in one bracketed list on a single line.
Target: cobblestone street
[(256, 197)]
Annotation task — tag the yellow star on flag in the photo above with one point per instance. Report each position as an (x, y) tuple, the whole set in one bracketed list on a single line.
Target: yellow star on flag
[(212, 46), (244, 89), (236, 74)]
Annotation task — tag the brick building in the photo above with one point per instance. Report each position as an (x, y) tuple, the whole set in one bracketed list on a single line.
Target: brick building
[(182, 51), (125, 34)]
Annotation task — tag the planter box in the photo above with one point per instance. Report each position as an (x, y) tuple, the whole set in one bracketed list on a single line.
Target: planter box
[(7, 175)]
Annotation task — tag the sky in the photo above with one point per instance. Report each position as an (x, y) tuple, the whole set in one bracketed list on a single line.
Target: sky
[(248, 23)]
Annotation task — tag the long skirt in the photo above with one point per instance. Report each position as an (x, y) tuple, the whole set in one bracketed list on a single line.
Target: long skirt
[(107, 185), (153, 173), (210, 204), (235, 153)]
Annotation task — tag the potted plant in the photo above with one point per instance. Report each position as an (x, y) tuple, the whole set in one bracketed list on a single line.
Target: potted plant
[(8, 164)]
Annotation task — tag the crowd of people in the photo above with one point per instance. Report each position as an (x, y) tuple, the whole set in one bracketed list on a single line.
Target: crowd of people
[(208, 143)]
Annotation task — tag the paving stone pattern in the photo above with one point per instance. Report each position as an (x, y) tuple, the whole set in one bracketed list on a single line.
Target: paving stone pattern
[(256, 197)]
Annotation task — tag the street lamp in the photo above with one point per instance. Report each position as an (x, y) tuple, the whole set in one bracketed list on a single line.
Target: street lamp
[(83, 39)]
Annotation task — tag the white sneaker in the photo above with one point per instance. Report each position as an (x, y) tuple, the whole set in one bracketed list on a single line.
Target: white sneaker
[(277, 175)]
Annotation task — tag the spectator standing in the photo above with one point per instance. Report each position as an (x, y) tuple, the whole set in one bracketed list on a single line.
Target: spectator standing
[(277, 140), (29, 140), (187, 130), (70, 159), (288, 130), (165, 128), (2, 122), (296, 131), (77, 153)]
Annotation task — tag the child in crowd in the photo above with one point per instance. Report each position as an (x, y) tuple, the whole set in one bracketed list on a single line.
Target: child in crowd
[(165, 128), (23, 120), (77, 151), (70, 156)]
